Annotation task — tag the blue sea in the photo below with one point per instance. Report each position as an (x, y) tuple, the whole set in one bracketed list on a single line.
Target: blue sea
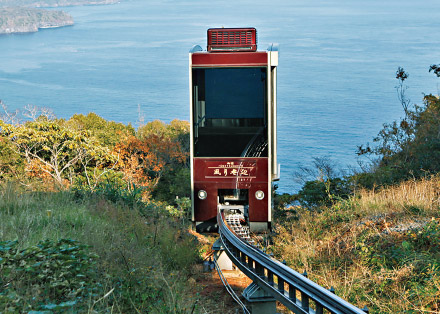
[(336, 76)]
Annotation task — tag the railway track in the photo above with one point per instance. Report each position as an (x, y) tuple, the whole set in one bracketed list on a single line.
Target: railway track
[(294, 290)]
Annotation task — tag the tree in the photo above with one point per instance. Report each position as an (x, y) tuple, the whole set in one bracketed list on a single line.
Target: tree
[(394, 137), (138, 163), (144, 161), (53, 150), (436, 69), (409, 147), (176, 130), (11, 163), (108, 133), (170, 142)]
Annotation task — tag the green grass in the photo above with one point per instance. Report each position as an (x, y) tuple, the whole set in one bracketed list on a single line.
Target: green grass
[(142, 262)]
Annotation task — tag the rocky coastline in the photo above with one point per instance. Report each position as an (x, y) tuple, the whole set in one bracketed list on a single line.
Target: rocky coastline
[(27, 16), (52, 3), (29, 20)]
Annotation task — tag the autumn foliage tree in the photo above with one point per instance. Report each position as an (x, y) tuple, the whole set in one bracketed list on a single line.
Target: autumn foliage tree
[(174, 149), (144, 161)]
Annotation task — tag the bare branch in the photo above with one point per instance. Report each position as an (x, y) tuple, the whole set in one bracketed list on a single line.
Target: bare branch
[(48, 113), (9, 117), (30, 111)]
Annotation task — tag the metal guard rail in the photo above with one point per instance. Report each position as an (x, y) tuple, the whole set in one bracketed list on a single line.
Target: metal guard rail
[(262, 269)]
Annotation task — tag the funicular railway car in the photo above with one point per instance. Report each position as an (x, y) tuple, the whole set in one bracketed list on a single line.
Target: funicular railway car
[(233, 133)]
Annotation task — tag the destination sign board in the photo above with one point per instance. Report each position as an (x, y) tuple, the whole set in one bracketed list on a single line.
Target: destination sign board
[(231, 169)]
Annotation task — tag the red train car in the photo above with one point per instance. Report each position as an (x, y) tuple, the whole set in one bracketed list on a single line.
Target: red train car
[(233, 133)]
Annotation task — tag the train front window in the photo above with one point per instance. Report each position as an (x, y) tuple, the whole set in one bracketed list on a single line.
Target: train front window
[(230, 112)]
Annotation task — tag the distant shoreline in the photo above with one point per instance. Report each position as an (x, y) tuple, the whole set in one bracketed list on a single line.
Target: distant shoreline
[(28, 16), (52, 3), (42, 4), (30, 20)]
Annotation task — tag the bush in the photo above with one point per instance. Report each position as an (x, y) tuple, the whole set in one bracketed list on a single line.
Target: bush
[(173, 183), (112, 188), (323, 193), (51, 276)]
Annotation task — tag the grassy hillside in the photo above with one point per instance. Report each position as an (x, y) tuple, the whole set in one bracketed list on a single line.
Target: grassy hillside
[(377, 248), (62, 252), (94, 219)]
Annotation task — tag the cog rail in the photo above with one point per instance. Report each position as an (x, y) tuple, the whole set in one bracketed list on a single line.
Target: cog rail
[(298, 293)]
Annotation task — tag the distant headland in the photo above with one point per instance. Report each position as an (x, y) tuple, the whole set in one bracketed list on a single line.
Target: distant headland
[(24, 16), (26, 20), (52, 3)]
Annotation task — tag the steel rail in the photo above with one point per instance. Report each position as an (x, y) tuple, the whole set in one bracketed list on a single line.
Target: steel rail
[(229, 288), (274, 277)]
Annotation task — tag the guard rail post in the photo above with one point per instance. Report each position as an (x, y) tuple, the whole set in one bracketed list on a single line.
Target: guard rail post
[(223, 260), (258, 300)]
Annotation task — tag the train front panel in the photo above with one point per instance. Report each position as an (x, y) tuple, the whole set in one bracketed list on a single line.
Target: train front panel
[(233, 133)]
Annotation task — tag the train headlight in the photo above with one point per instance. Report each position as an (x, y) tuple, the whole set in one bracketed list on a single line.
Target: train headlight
[(202, 194), (259, 195)]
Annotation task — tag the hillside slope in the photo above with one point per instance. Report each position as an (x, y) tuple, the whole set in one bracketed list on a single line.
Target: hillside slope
[(378, 248)]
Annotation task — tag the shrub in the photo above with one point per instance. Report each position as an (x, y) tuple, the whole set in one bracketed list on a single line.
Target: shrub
[(51, 276), (323, 192)]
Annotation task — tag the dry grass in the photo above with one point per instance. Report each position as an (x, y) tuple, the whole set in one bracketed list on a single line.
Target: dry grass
[(423, 194), (379, 249)]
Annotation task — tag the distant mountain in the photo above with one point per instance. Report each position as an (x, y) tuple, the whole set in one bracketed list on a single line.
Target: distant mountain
[(25, 20), (52, 3)]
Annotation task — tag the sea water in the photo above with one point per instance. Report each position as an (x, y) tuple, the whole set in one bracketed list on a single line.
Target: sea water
[(336, 75)]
